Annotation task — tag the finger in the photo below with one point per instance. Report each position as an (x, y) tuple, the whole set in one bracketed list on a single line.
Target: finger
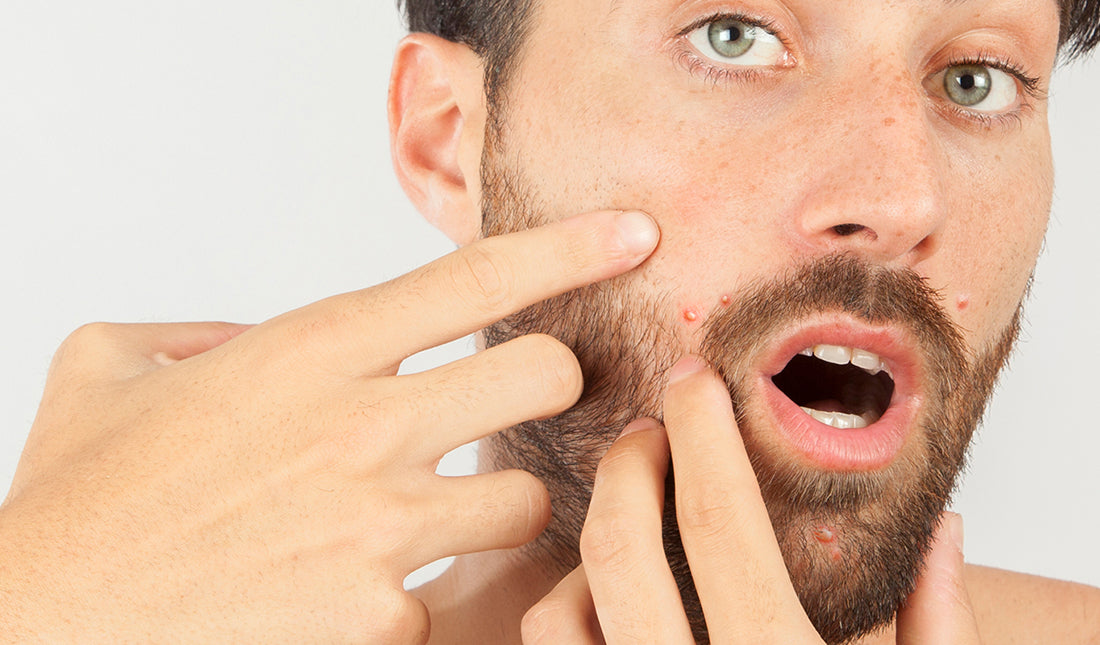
[(622, 545), (565, 615), (123, 350), (939, 609), (530, 377), (477, 285), (724, 525), (459, 515)]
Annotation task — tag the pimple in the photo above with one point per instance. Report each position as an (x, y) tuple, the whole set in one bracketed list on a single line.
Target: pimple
[(962, 302), (827, 537), (690, 315), (725, 301), (824, 534)]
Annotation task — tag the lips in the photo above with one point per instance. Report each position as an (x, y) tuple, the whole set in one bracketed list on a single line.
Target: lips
[(843, 395)]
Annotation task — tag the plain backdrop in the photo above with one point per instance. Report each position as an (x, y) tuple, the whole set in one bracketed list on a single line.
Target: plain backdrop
[(229, 159)]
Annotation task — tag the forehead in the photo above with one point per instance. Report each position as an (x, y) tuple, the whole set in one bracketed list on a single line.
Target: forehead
[(1036, 20)]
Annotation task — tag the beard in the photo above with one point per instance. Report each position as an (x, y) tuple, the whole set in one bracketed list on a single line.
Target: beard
[(853, 542)]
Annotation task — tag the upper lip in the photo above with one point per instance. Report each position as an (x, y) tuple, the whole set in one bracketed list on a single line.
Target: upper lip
[(891, 342)]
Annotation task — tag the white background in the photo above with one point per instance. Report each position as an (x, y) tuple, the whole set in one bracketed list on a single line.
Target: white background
[(229, 160)]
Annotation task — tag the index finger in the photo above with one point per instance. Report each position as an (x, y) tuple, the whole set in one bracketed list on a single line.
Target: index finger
[(736, 564), (479, 284)]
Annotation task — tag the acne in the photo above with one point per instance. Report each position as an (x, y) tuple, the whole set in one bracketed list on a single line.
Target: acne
[(690, 315), (962, 302), (725, 301), (827, 537)]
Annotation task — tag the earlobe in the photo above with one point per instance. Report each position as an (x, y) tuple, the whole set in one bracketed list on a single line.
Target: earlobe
[(437, 125)]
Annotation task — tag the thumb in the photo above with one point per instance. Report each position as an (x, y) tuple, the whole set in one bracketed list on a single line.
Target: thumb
[(939, 610)]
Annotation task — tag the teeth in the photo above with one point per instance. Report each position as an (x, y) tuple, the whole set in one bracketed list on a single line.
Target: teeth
[(833, 354), (861, 358), (838, 419)]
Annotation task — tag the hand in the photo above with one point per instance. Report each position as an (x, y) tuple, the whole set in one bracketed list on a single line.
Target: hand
[(625, 592), (276, 483)]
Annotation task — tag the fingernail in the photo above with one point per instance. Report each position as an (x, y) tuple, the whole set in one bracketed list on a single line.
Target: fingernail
[(638, 425), (637, 231), (685, 367)]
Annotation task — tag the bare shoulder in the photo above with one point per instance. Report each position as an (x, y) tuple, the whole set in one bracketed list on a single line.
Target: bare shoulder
[(1020, 608)]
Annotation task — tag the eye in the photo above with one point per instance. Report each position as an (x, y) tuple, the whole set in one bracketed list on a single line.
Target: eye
[(980, 87), (734, 41)]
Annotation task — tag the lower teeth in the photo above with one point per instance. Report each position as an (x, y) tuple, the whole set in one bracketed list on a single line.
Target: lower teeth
[(840, 420)]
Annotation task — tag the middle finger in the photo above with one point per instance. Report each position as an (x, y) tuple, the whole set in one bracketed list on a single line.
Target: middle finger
[(633, 589)]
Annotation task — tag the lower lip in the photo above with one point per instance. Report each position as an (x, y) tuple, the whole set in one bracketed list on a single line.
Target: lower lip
[(848, 450)]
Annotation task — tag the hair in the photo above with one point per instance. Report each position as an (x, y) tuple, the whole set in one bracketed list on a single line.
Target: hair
[(496, 30)]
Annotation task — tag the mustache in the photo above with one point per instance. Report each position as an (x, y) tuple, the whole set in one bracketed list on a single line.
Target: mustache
[(838, 283)]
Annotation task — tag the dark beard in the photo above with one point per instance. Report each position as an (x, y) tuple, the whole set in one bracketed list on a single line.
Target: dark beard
[(878, 525)]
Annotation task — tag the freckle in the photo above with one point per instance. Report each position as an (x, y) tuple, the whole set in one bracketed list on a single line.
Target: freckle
[(690, 315), (962, 302), (725, 301)]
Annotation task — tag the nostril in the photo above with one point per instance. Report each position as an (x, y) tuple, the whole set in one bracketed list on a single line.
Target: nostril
[(844, 230)]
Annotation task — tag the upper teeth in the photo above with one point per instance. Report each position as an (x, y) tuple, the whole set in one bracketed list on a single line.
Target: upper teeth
[(861, 358)]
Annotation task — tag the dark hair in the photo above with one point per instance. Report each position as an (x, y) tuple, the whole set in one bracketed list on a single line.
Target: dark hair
[(496, 29)]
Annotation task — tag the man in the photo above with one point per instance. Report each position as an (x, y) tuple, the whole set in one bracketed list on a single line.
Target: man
[(845, 225)]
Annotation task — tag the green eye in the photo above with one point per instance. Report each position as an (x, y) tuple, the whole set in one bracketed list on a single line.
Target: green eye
[(968, 85), (735, 41), (731, 38)]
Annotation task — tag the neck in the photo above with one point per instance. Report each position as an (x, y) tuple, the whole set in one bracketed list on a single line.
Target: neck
[(482, 597)]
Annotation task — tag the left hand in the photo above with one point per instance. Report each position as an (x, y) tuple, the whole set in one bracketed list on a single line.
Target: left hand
[(625, 591)]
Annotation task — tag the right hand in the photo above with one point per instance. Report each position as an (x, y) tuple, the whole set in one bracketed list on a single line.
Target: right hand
[(212, 481)]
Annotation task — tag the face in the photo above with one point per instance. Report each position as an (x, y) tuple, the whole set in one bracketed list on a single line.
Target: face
[(864, 182)]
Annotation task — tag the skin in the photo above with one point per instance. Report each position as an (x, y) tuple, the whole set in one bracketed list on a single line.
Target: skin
[(857, 130), (311, 491)]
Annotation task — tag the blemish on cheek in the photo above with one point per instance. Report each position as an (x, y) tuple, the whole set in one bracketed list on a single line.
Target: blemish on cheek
[(889, 121), (725, 301), (962, 302), (690, 315)]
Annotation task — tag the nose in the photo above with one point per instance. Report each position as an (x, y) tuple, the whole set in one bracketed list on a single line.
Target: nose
[(874, 173)]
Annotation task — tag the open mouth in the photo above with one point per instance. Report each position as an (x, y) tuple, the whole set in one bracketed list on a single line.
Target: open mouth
[(842, 387), (842, 394)]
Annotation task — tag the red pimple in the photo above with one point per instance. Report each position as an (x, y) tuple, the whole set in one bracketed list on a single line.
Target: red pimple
[(824, 534), (962, 302), (725, 301), (690, 315)]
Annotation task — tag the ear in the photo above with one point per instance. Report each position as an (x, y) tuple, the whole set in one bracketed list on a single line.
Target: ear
[(437, 131)]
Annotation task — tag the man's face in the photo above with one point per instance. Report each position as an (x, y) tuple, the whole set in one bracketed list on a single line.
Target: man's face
[(868, 176)]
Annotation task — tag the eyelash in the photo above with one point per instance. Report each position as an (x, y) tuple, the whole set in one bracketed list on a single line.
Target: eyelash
[(717, 75), (1030, 85)]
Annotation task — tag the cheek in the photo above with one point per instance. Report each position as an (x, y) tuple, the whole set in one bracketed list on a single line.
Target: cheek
[(999, 216), (710, 193)]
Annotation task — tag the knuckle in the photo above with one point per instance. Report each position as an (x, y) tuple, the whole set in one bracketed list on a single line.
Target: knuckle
[(559, 374), (610, 542), (88, 338), (541, 623), (486, 278), (402, 619), (87, 353), (527, 506), (707, 509)]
